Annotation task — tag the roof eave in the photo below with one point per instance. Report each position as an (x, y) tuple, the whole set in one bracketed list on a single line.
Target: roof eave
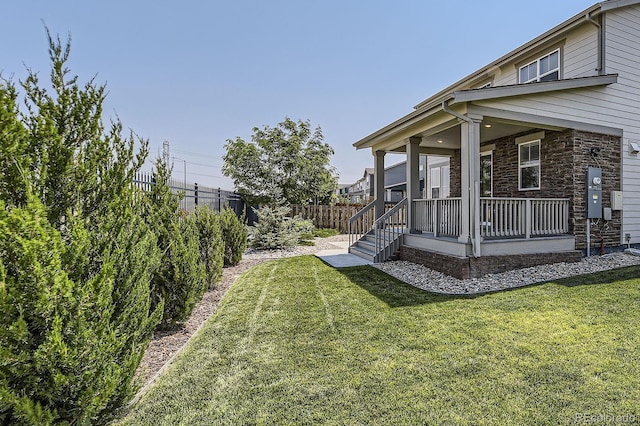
[(398, 125), (533, 88), (488, 69)]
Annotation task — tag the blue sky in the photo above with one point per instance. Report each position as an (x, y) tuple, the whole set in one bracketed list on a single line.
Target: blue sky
[(197, 73)]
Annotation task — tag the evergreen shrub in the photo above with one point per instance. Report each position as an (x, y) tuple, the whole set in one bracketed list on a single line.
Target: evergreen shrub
[(180, 280), (274, 230), (212, 246), (234, 235), (63, 359)]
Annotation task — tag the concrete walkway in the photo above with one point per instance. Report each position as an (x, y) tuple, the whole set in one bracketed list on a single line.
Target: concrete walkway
[(340, 257)]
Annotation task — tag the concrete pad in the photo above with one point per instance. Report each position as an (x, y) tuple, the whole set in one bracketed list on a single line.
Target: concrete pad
[(342, 244), (339, 258)]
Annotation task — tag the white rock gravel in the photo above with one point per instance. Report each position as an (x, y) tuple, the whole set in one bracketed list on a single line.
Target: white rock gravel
[(428, 279), (320, 244)]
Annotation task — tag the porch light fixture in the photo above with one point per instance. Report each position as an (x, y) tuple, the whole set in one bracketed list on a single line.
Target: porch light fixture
[(488, 126), (440, 141)]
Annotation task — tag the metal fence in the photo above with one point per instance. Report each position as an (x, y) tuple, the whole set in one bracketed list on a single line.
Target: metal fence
[(194, 195)]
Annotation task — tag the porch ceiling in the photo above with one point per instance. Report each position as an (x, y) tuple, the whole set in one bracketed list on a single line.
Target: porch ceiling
[(490, 129)]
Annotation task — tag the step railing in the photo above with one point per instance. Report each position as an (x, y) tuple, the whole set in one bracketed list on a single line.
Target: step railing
[(361, 223), (389, 229)]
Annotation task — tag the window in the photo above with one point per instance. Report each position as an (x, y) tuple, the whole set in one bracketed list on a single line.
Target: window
[(529, 165), (546, 68), (486, 174), (435, 182), (439, 182)]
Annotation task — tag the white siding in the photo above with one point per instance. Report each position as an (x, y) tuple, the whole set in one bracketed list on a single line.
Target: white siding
[(617, 105)]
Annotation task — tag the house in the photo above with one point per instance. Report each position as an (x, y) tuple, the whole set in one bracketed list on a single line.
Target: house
[(362, 190), (543, 150), (395, 182)]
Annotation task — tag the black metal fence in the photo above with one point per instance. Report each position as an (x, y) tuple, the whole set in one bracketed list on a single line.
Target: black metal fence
[(194, 195)]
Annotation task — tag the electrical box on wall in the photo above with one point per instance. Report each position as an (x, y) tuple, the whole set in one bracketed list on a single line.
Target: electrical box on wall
[(616, 200), (593, 200)]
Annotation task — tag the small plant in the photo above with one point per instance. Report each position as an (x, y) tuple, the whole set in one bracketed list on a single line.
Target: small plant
[(275, 230), (212, 245), (234, 236), (325, 232)]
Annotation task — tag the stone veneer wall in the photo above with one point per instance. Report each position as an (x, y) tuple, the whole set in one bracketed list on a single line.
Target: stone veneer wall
[(564, 158), (469, 267)]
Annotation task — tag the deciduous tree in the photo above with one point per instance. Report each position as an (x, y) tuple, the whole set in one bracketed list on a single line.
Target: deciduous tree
[(289, 163)]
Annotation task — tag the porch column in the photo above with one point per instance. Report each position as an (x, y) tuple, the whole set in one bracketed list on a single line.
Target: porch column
[(378, 182), (470, 182), (413, 179)]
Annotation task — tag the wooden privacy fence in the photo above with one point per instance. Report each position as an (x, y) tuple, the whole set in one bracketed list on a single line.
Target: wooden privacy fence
[(334, 217)]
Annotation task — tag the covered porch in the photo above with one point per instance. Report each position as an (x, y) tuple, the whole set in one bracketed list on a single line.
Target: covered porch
[(516, 183)]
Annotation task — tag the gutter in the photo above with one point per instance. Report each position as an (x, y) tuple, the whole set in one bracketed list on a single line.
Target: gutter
[(475, 204), (589, 19)]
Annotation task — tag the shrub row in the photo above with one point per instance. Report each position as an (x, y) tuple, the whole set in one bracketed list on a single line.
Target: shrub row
[(89, 265)]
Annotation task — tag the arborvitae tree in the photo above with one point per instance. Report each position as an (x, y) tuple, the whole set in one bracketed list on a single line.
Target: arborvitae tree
[(63, 358), (180, 281), (82, 173), (211, 242), (14, 162), (234, 234)]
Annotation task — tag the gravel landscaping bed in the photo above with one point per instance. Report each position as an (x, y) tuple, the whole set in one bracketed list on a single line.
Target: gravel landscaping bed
[(430, 280)]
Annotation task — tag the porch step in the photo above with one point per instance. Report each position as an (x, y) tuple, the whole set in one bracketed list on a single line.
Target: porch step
[(362, 251)]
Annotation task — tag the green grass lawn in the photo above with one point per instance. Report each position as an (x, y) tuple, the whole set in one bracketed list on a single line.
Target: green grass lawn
[(297, 342)]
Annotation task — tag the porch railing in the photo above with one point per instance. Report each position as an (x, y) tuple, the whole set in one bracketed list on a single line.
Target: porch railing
[(523, 217), (441, 217), (499, 217), (389, 229)]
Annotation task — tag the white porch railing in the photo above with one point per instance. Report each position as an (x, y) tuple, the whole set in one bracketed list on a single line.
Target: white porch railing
[(523, 217), (499, 217), (441, 217)]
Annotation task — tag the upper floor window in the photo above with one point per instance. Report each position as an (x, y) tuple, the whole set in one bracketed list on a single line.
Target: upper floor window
[(546, 68)]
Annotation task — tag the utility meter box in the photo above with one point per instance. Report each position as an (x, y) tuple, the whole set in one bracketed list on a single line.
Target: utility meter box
[(616, 200), (594, 193)]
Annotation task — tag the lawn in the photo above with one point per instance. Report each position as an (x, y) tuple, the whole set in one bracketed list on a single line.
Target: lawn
[(297, 342)]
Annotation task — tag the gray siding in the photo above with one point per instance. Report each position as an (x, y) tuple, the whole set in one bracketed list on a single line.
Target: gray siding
[(578, 56), (617, 105)]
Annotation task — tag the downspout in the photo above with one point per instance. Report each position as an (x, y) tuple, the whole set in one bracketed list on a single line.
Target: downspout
[(600, 68), (475, 235)]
